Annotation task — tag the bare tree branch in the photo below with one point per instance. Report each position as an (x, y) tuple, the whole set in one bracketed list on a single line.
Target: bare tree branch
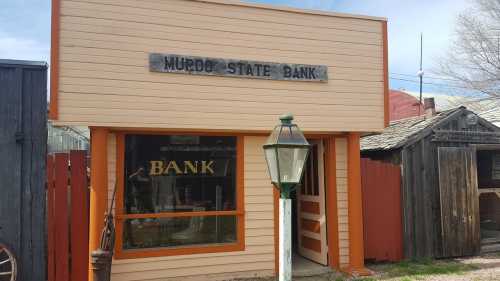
[(474, 57)]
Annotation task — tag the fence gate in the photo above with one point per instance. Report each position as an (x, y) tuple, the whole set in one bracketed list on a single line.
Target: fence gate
[(383, 230), (23, 141), (67, 216)]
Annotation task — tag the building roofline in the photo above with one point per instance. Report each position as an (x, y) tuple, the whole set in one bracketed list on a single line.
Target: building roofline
[(23, 62), (293, 10)]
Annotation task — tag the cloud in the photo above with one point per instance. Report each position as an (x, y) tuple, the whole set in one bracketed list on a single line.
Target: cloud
[(23, 48), (314, 4)]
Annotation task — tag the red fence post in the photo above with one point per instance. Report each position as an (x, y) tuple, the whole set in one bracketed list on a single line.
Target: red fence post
[(50, 219), (61, 217), (79, 217)]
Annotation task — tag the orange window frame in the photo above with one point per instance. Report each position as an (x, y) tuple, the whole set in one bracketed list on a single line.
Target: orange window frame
[(120, 215)]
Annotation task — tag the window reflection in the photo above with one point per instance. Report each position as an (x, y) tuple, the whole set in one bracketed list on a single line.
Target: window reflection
[(180, 231), (180, 173)]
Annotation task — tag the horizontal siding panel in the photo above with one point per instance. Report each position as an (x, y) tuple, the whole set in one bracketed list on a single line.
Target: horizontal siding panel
[(162, 110), (169, 20), (191, 271), (105, 78), (207, 85), (94, 52), (95, 73), (362, 124), (326, 45), (271, 43), (251, 14), (120, 44), (253, 250), (260, 215), (261, 207), (241, 99), (160, 265)]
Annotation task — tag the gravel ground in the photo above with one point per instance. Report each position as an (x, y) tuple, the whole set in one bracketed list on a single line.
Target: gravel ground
[(481, 268)]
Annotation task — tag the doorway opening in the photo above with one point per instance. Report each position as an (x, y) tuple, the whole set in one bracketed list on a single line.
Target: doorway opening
[(488, 174), (309, 239)]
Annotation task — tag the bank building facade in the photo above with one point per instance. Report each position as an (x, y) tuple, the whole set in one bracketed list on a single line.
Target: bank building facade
[(180, 96)]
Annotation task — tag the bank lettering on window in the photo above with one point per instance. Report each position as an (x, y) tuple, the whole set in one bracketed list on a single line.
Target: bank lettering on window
[(237, 68)]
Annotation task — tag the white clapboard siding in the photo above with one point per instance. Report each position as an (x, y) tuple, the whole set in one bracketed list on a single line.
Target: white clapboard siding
[(257, 260), (105, 79), (342, 200)]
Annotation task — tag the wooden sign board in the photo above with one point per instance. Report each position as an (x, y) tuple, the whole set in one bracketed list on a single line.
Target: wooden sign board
[(237, 68), (466, 137)]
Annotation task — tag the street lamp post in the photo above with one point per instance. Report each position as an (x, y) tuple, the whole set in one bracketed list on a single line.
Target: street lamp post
[(286, 151)]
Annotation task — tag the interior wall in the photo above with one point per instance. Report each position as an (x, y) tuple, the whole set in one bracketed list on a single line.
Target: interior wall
[(484, 169)]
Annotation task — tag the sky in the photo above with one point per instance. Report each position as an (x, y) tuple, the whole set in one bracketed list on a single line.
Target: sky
[(25, 32)]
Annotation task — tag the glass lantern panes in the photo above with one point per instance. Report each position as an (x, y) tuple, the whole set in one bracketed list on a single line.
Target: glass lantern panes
[(286, 151)]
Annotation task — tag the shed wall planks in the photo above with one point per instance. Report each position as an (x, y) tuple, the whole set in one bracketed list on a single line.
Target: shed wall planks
[(23, 141), (105, 78)]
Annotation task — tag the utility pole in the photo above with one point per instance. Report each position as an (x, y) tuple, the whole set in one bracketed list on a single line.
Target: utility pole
[(420, 74)]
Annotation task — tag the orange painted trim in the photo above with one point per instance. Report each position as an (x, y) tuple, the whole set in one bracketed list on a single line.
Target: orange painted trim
[(98, 187), (355, 207), (240, 191), (209, 132), (164, 252), (120, 192), (386, 75), (160, 252), (331, 209), (178, 215), (54, 59), (276, 210)]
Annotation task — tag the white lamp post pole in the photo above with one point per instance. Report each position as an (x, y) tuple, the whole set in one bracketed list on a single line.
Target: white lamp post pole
[(285, 239), (286, 152)]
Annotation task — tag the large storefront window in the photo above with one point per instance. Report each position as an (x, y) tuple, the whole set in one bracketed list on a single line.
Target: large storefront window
[(179, 191)]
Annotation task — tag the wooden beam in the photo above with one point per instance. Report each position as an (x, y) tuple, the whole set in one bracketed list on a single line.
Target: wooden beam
[(355, 208), (98, 186), (54, 60)]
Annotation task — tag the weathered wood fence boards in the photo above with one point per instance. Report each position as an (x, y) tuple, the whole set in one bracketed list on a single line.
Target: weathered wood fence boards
[(459, 201), (383, 234), (67, 216), (23, 141)]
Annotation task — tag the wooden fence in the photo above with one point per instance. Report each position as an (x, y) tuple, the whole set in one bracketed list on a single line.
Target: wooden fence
[(383, 231), (67, 217)]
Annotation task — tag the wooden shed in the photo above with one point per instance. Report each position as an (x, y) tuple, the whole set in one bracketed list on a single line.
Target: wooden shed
[(449, 189)]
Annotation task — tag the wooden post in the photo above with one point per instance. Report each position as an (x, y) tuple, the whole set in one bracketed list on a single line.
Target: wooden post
[(285, 238), (79, 213), (51, 241), (98, 187), (61, 218), (355, 208)]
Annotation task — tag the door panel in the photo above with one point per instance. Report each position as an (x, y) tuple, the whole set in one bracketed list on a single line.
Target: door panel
[(459, 201), (311, 219)]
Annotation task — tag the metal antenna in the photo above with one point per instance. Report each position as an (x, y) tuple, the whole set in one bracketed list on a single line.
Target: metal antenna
[(420, 74)]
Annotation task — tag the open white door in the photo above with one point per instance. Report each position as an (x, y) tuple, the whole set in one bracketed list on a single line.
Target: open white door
[(311, 208)]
